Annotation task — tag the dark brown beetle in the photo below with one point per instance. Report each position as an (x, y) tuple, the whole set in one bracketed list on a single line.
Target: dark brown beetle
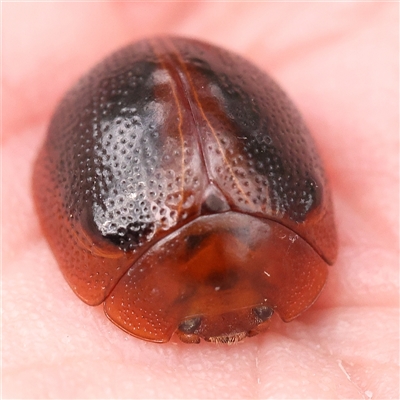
[(179, 185)]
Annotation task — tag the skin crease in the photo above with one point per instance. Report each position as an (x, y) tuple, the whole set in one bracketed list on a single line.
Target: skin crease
[(339, 63)]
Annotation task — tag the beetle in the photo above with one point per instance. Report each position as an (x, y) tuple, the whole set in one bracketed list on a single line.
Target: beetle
[(179, 186)]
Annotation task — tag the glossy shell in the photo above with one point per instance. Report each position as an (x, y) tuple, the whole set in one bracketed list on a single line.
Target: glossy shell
[(179, 185)]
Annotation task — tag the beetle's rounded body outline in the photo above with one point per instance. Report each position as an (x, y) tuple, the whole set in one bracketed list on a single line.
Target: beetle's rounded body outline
[(160, 140)]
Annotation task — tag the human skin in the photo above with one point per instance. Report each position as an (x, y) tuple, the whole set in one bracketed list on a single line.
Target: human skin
[(339, 63)]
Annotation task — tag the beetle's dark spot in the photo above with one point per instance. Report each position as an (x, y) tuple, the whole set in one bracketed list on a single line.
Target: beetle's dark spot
[(130, 237), (306, 199), (190, 325), (214, 201), (263, 313), (315, 194), (214, 204), (222, 280), (194, 241)]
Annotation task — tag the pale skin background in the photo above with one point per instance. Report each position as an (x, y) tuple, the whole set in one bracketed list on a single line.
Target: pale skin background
[(339, 63)]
